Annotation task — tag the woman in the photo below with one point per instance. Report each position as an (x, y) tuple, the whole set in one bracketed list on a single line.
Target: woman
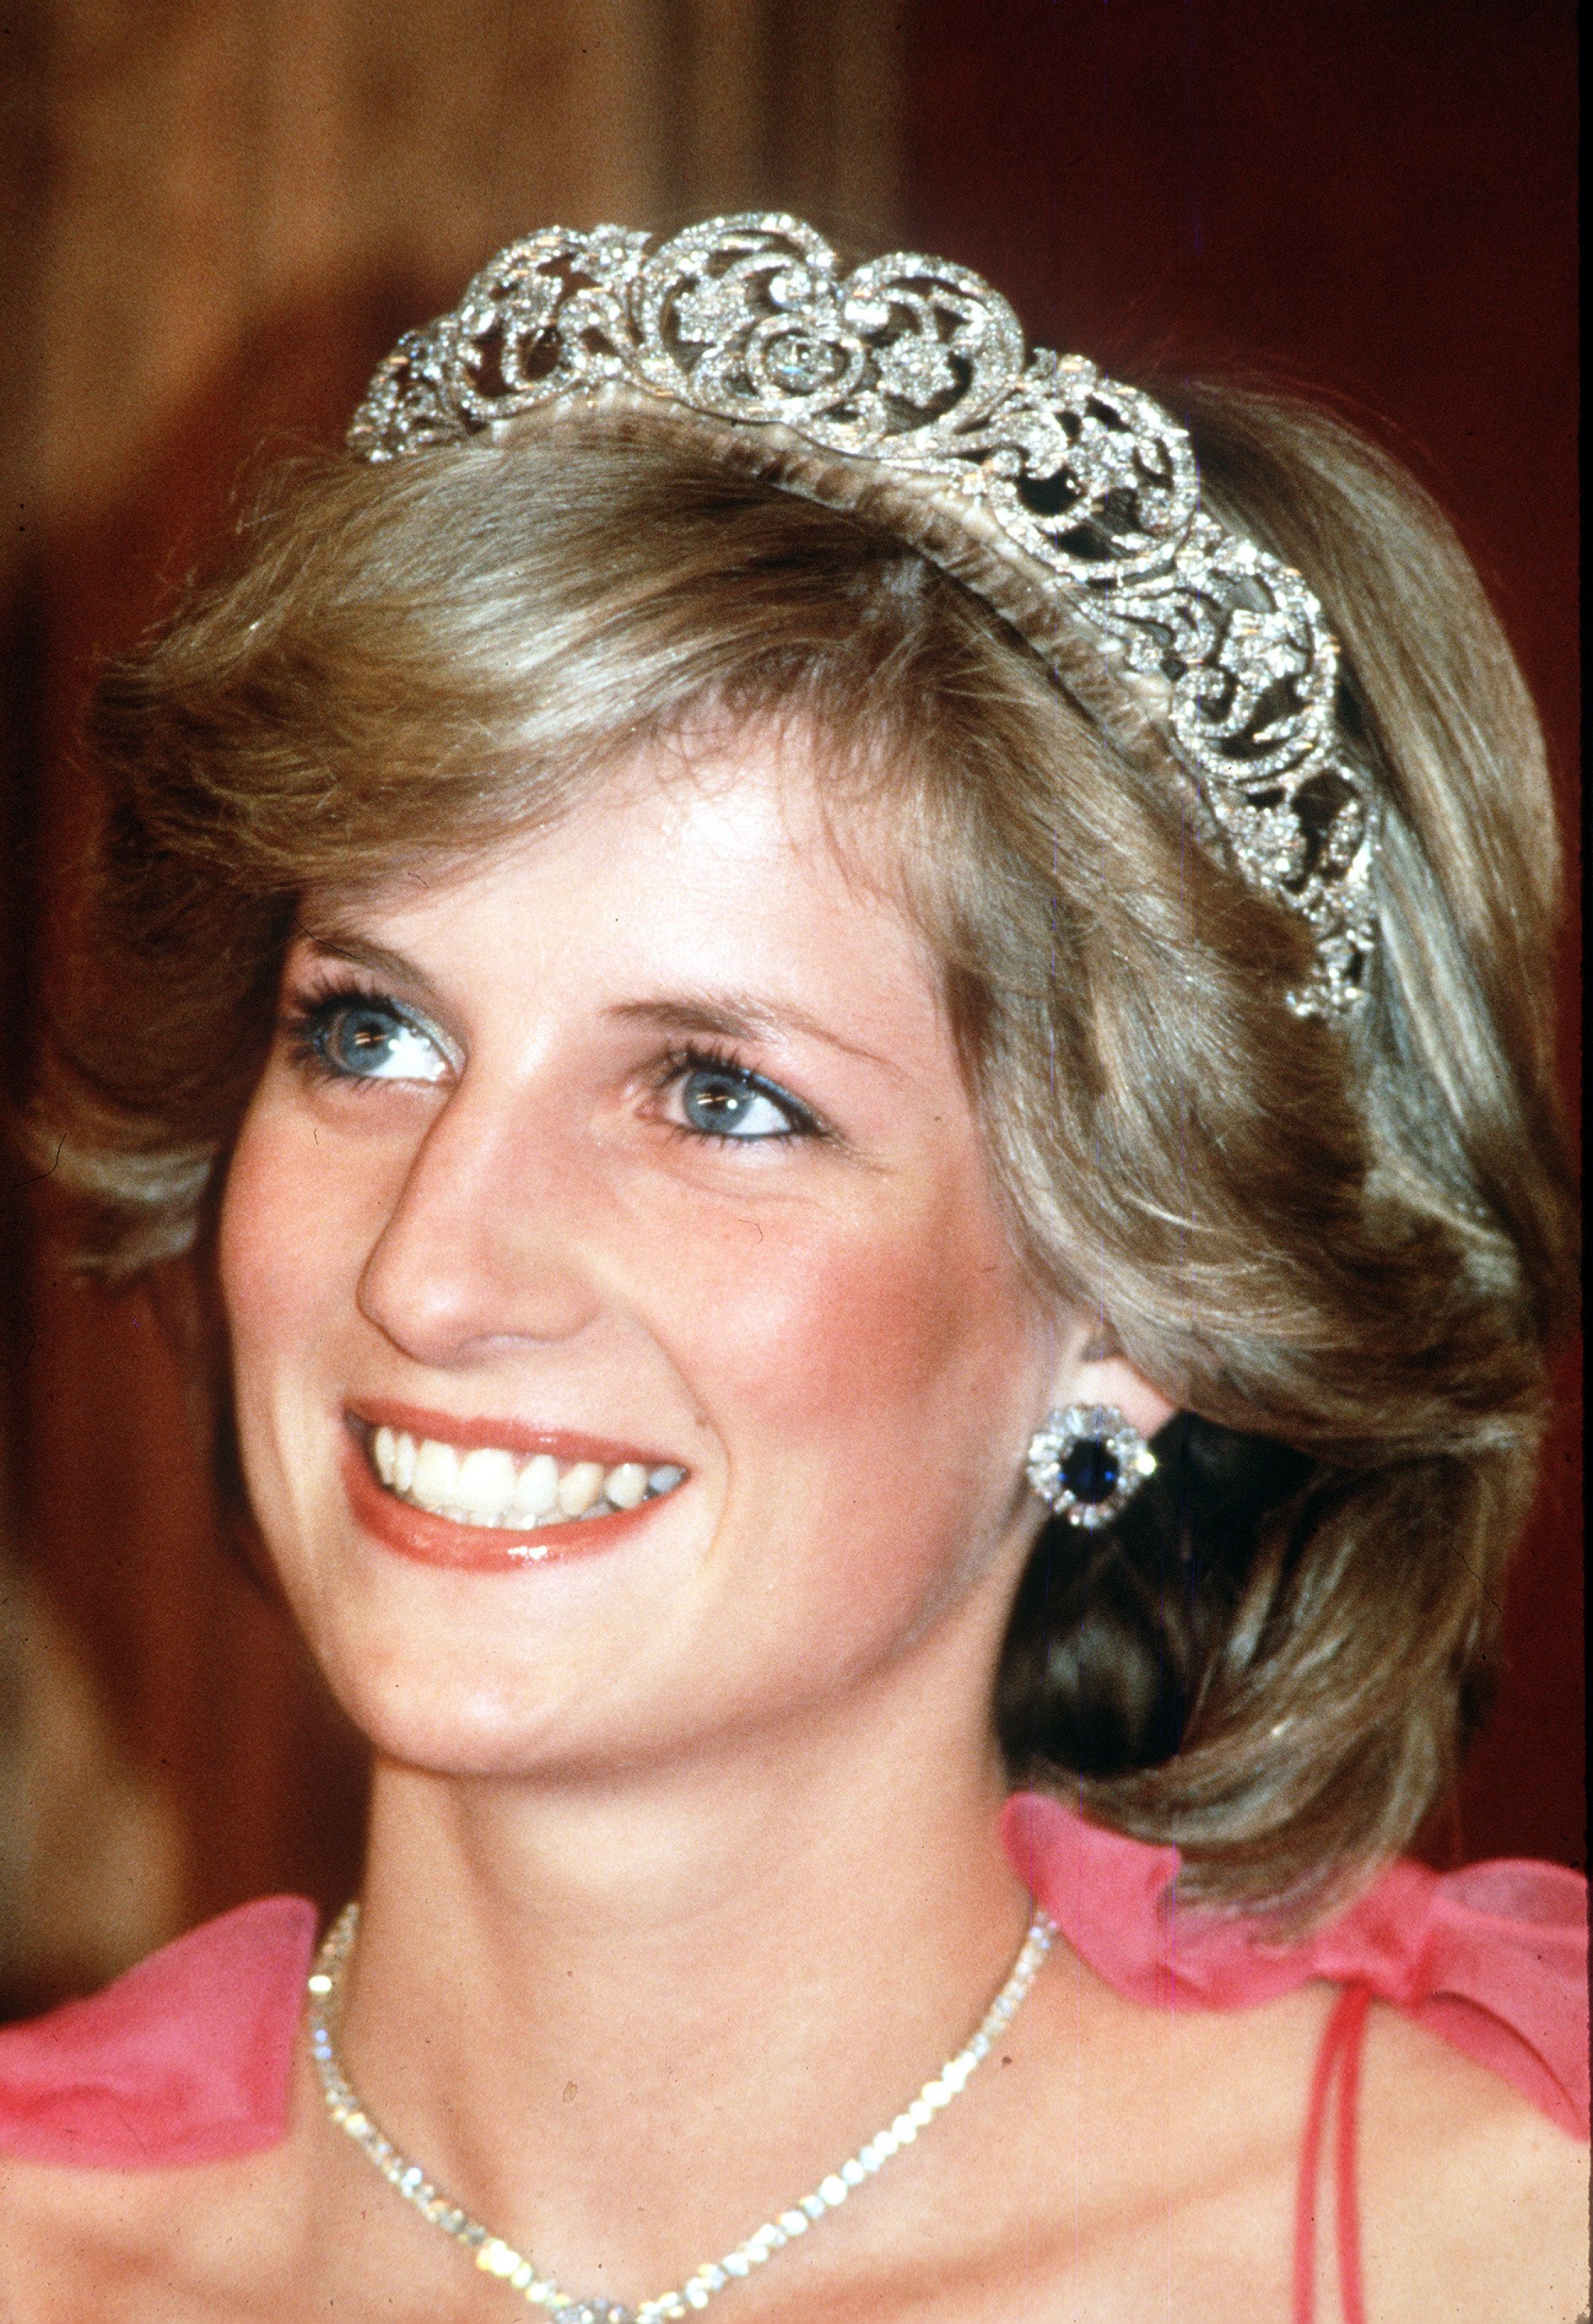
[(748, 954)]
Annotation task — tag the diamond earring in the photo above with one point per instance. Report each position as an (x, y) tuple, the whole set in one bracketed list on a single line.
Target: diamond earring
[(1088, 1462)]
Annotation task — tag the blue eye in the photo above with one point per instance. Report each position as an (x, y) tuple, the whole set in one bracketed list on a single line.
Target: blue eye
[(358, 1039), (727, 1102)]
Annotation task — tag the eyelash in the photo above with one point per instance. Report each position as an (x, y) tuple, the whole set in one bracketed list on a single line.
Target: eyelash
[(704, 1057), (308, 1018)]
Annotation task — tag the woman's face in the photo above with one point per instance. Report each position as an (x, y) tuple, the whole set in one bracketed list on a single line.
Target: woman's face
[(636, 1160)]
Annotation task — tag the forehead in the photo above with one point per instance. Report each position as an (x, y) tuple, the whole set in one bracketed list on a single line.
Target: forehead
[(749, 859)]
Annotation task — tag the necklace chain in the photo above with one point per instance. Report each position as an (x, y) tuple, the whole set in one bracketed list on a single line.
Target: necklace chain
[(520, 2274)]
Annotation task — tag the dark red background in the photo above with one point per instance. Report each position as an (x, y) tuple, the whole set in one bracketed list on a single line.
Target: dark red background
[(1376, 199)]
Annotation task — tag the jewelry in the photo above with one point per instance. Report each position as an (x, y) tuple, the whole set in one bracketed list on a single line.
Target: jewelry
[(919, 368), (1088, 1462), (520, 2274)]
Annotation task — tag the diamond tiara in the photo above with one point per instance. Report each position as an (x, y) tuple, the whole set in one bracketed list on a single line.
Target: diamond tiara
[(918, 367)]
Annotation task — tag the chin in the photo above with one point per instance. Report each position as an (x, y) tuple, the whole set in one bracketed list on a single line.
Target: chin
[(470, 1727), (469, 1706)]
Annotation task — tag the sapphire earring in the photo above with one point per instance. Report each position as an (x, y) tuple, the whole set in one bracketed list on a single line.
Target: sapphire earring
[(1088, 1462)]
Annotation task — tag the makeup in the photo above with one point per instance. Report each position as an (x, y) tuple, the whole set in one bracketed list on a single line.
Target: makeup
[(493, 1496)]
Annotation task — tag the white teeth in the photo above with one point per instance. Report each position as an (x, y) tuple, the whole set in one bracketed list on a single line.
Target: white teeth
[(487, 1480), (625, 1485), (487, 1486), (579, 1487), (536, 1491), (436, 1474)]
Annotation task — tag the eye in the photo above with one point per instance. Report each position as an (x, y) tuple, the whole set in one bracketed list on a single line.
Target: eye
[(726, 1101), (361, 1037)]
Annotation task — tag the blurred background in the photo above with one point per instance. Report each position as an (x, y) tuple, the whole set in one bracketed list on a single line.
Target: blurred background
[(215, 217)]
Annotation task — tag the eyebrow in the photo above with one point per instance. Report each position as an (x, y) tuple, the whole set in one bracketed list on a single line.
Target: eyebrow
[(361, 951), (740, 1017)]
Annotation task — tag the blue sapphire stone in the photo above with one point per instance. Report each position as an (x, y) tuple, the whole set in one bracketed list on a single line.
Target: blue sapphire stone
[(1091, 1472)]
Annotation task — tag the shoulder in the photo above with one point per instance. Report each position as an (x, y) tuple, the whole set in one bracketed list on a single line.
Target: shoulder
[(1473, 2201), (1493, 1959), (189, 2060), (186, 2058), (1473, 2111)]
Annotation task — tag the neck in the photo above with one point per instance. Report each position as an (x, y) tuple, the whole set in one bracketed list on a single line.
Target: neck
[(716, 1975)]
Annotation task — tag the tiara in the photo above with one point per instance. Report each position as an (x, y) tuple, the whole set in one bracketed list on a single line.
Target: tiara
[(918, 367)]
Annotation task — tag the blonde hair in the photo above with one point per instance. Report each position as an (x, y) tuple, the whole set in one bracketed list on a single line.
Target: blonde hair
[(1344, 1255)]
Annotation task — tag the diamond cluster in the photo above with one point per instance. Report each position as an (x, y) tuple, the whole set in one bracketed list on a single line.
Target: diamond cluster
[(1087, 1463), (916, 365)]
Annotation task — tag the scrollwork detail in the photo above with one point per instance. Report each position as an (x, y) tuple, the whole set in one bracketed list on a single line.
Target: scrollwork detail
[(917, 364)]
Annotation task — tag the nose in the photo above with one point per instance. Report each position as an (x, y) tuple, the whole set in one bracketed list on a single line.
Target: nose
[(488, 1240)]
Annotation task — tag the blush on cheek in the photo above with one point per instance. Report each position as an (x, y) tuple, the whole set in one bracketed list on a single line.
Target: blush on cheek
[(865, 1343), (285, 1246), (877, 1378), (261, 1243), (262, 1287)]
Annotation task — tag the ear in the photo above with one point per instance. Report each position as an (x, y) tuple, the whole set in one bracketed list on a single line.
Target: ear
[(1089, 1369)]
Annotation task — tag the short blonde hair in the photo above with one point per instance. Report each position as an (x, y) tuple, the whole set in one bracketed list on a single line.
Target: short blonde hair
[(1346, 1255)]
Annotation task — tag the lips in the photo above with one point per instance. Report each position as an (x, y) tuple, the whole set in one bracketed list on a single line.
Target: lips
[(494, 1496)]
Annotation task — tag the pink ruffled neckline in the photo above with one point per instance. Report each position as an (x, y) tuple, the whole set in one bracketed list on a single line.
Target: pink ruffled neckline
[(188, 2058), (1493, 1959)]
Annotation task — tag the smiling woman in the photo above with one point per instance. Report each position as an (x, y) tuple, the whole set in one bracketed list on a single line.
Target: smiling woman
[(864, 1098), (537, 1210)]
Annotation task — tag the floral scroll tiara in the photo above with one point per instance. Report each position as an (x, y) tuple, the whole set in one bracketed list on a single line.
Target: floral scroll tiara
[(919, 369)]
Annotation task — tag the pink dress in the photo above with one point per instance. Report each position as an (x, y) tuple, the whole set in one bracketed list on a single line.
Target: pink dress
[(188, 2058)]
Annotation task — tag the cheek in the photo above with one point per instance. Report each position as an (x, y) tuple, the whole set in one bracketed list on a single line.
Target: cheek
[(281, 1244), (869, 1381), (852, 1338)]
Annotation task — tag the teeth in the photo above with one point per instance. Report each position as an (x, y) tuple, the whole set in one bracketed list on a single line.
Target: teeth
[(579, 1487), (486, 1481), (625, 1485), (436, 1474), (536, 1491), (487, 1486)]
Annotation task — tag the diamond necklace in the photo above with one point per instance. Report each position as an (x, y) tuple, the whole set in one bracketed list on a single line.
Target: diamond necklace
[(521, 2274)]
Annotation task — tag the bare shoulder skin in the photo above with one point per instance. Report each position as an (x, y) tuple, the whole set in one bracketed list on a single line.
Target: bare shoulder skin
[(1473, 2204)]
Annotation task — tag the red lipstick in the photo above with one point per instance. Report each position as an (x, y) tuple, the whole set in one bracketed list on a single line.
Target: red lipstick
[(430, 1540), (515, 1436)]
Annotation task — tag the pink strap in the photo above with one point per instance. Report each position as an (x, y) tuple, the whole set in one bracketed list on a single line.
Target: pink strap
[(1339, 2050)]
